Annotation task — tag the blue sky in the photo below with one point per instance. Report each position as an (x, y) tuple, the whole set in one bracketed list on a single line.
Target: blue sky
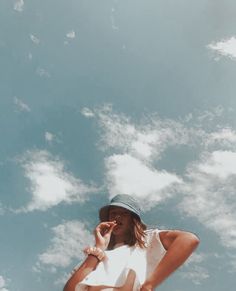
[(106, 97)]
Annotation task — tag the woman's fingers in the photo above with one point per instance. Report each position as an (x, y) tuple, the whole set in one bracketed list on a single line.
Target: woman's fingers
[(106, 224), (111, 228), (105, 227), (103, 232)]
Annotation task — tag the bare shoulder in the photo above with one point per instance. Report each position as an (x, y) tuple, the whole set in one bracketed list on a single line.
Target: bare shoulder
[(168, 236)]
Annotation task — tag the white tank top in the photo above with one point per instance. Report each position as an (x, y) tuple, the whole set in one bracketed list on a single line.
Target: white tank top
[(114, 270)]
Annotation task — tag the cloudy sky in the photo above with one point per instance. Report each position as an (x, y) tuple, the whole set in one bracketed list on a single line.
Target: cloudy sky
[(116, 96)]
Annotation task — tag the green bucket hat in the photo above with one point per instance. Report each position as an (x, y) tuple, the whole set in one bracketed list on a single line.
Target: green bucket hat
[(122, 200)]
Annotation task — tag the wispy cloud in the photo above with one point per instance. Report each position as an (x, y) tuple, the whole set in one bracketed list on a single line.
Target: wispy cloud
[(43, 73), (87, 112), (30, 56), (232, 263), (210, 115), (112, 17), (148, 138), (225, 47), (196, 274), (34, 39), (62, 279), (51, 138), (3, 284), (19, 5), (193, 270), (50, 183), (138, 145), (145, 140), (2, 210), (126, 174), (210, 194), (69, 239), (196, 258), (71, 34), (220, 164), (222, 138), (21, 106)]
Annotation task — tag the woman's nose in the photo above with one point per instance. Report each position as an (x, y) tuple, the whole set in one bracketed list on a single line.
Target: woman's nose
[(117, 217)]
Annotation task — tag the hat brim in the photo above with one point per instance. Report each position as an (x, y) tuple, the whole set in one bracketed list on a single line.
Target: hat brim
[(104, 211)]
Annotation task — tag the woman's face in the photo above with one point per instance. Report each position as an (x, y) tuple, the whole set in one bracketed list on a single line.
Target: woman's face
[(123, 218)]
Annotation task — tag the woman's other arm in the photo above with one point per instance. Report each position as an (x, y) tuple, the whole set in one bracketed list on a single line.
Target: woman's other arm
[(179, 246)]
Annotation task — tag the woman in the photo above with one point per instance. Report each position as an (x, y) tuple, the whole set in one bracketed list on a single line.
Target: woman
[(126, 256)]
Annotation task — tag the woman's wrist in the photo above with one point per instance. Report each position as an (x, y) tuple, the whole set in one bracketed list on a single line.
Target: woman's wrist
[(96, 252), (103, 248)]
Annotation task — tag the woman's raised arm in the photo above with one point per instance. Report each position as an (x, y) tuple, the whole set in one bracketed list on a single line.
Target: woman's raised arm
[(102, 235)]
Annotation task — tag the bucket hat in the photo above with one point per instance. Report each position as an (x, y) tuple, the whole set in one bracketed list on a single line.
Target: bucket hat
[(122, 200)]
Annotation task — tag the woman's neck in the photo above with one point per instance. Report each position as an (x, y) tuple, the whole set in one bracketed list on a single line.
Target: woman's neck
[(116, 245)]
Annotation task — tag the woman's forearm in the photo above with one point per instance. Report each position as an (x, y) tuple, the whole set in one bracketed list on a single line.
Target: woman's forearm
[(86, 267)]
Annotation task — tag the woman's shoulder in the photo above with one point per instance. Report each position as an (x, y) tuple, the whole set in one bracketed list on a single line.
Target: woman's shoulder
[(151, 231), (153, 237), (154, 231)]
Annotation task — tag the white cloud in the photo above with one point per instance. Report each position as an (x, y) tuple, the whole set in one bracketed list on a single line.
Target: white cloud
[(69, 239), (62, 279), (30, 56), (196, 258), (3, 284), (19, 5), (21, 106), (87, 112), (226, 47), (146, 140), (196, 274), (34, 39), (71, 34), (210, 115), (210, 194), (223, 138), (126, 174), (2, 210), (113, 21), (43, 73), (232, 263), (192, 269), (50, 183), (225, 134), (49, 137), (220, 163)]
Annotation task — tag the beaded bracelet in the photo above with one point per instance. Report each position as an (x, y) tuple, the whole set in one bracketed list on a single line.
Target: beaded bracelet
[(96, 252)]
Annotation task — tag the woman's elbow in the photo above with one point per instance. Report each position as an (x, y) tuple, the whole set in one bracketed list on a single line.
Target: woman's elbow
[(193, 240)]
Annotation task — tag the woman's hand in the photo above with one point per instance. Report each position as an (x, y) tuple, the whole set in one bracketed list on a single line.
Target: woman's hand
[(103, 234)]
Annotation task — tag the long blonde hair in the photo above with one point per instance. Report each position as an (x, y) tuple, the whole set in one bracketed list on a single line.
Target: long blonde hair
[(136, 235)]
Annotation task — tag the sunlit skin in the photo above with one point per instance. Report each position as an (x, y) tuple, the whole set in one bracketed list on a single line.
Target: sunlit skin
[(179, 245)]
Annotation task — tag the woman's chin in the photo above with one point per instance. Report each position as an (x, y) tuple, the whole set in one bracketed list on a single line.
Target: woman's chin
[(117, 230)]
